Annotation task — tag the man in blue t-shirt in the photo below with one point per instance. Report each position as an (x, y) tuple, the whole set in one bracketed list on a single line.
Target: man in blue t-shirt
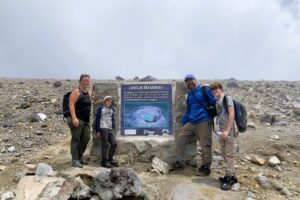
[(196, 122)]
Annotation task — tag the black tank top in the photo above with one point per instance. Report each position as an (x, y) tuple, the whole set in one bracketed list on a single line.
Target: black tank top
[(83, 107)]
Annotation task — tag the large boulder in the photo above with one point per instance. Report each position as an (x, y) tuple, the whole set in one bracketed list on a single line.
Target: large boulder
[(117, 184), (46, 188), (145, 148)]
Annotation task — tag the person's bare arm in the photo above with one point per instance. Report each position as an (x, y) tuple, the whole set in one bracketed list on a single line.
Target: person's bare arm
[(73, 99), (230, 122)]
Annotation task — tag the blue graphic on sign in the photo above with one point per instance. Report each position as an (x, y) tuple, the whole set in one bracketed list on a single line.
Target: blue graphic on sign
[(146, 109)]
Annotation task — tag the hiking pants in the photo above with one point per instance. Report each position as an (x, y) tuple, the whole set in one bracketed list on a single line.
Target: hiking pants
[(108, 143), (203, 132), (80, 138), (229, 150)]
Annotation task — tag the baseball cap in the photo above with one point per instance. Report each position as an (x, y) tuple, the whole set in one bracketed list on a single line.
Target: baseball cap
[(189, 76)]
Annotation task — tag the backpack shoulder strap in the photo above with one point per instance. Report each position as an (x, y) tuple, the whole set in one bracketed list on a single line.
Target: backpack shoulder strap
[(204, 94), (194, 96), (225, 104)]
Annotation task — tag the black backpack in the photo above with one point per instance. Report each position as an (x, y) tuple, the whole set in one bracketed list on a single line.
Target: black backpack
[(240, 114), (65, 105)]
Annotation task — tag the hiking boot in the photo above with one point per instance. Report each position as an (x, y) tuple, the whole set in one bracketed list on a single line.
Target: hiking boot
[(106, 164), (76, 163), (83, 162), (178, 165), (113, 162), (227, 182), (204, 170)]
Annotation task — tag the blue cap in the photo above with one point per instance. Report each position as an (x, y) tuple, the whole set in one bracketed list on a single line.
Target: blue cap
[(189, 76)]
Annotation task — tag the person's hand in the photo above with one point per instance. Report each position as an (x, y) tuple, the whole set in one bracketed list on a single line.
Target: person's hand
[(97, 135), (224, 135), (75, 122)]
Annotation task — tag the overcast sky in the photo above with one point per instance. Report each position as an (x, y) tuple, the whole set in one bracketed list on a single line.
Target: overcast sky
[(244, 39)]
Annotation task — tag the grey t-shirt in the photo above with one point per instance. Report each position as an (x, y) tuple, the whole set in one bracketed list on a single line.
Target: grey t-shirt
[(106, 118), (222, 117)]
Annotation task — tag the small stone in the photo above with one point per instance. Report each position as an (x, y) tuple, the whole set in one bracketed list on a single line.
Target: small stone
[(57, 84), (275, 137), (273, 161), (8, 196), (263, 181), (34, 118), (278, 168), (44, 170), (236, 187), (47, 157), (27, 144), (280, 156), (268, 118), (29, 169), (2, 167), (251, 195), (160, 165), (95, 197), (11, 149), (17, 154), (39, 133), (258, 160), (296, 108), (286, 192), (25, 105), (42, 116), (251, 125)]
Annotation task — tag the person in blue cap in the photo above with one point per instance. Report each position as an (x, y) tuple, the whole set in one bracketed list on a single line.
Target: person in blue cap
[(197, 121)]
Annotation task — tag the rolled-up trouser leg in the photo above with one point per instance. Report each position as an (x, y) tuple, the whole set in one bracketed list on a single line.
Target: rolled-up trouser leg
[(186, 134), (204, 134)]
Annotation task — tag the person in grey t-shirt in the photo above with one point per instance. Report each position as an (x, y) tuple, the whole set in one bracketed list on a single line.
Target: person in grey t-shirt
[(105, 125), (229, 134)]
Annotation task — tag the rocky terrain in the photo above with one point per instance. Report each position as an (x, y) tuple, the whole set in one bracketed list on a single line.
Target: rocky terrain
[(32, 131)]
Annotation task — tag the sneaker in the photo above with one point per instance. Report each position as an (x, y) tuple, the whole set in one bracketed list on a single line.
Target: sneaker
[(204, 170), (83, 162), (106, 164), (114, 162), (76, 163), (227, 182), (178, 165)]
